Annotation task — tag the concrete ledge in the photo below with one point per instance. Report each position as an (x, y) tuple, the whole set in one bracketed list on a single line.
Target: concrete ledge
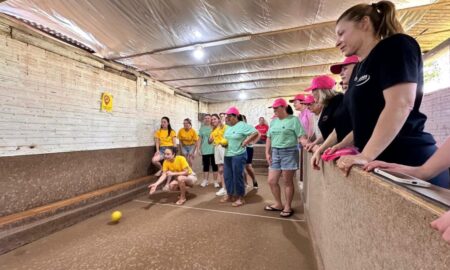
[(22, 228), (366, 222)]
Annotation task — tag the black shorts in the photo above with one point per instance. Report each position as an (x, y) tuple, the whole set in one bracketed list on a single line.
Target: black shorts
[(208, 160), (249, 155)]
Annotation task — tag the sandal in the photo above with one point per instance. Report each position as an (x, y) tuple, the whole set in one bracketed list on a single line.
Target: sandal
[(271, 208), (238, 203), (180, 202), (286, 214), (225, 199)]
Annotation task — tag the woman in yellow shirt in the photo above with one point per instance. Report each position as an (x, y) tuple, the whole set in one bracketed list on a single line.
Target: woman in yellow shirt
[(189, 142), (219, 142), (178, 173), (164, 137)]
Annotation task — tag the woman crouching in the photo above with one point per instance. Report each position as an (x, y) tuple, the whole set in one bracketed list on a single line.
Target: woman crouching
[(178, 174)]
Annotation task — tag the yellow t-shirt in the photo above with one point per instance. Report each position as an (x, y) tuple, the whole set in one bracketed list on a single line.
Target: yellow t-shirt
[(217, 134), (165, 140), (179, 164), (187, 137)]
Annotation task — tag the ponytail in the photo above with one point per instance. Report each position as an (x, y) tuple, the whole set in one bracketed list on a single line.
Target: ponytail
[(382, 15), (289, 110), (389, 25)]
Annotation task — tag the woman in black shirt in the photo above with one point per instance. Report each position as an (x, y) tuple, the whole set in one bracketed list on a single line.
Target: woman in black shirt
[(322, 88), (386, 92)]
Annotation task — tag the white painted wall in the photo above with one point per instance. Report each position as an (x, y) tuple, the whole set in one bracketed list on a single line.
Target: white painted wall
[(252, 109), (50, 103)]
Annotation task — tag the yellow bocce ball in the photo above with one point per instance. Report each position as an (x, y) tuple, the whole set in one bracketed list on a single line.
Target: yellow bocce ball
[(116, 216)]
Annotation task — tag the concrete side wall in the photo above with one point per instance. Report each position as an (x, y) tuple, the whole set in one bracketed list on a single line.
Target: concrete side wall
[(436, 106), (365, 222)]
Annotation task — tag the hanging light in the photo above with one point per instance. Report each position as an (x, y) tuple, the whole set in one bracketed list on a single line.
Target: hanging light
[(242, 95), (199, 52)]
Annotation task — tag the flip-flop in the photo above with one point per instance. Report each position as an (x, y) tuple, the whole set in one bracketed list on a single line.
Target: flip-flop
[(237, 204), (180, 202), (286, 214), (271, 208)]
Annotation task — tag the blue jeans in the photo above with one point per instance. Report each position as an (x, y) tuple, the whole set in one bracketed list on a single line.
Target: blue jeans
[(233, 174)]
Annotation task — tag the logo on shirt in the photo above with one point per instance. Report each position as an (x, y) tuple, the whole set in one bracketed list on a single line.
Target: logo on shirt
[(362, 80)]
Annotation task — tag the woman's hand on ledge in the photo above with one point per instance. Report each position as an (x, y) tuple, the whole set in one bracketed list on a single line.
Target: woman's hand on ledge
[(345, 163), (315, 160), (309, 146), (442, 225), (409, 170)]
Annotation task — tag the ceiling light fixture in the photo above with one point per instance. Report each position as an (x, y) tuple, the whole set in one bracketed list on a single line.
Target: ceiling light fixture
[(204, 45), (199, 52), (242, 95), (197, 34)]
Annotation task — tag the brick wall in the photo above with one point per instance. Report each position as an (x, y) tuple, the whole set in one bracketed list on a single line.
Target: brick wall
[(51, 103), (436, 106)]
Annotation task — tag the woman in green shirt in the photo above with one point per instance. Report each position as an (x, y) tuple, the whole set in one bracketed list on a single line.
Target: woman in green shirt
[(282, 154), (238, 135), (207, 152)]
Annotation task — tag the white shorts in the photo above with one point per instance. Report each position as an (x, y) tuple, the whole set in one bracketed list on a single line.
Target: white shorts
[(219, 154), (192, 177)]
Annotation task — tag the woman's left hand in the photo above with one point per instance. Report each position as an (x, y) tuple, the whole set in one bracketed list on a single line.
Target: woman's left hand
[(442, 225), (345, 163)]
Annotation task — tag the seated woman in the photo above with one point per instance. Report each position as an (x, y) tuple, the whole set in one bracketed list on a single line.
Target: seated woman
[(177, 169), (435, 165)]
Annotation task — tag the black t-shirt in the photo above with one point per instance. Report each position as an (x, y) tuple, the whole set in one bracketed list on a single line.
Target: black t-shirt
[(392, 61), (332, 117)]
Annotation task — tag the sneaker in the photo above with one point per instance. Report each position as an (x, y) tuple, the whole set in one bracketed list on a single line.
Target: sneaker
[(204, 183), (255, 185), (216, 185), (221, 192), (248, 188)]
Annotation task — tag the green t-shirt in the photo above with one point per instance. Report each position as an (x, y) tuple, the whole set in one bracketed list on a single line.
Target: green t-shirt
[(206, 147), (284, 133), (235, 135)]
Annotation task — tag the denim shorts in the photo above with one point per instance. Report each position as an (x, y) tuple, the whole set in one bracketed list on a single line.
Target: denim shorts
[(285, 159), (162, 149), (187, 149)]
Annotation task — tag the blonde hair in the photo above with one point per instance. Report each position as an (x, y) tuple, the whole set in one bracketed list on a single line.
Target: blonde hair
[(382, 15), (323, 96)]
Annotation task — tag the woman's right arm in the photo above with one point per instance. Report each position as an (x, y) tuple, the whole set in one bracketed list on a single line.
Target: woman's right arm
[(211, 139), (330, 141), (157, 144), (161, 179)]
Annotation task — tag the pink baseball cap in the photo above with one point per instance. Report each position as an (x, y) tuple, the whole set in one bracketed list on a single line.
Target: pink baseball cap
[(337, 68), (306, 99), (321, 82), (233, 110), (279, 102)]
